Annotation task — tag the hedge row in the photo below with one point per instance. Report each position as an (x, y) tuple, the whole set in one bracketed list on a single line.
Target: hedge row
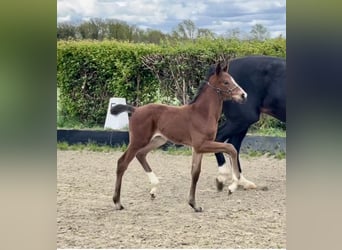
[(90, 72)]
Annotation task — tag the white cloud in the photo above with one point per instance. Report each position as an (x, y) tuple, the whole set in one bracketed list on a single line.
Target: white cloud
[(78, 7), (66, 18), (221, 27), (182, 11), (253, 6), (218, 15)]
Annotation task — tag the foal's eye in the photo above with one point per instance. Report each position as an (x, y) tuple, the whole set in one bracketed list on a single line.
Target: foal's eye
[(226, 82)]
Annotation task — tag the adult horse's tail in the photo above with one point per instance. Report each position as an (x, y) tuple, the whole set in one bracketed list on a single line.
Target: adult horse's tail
[(119, 108)]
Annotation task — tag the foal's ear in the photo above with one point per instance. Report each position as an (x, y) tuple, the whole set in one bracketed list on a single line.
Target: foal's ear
[(218, 68), (226, 67)]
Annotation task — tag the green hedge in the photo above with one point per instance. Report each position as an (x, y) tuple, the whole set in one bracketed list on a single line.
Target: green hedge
[(90, 72)]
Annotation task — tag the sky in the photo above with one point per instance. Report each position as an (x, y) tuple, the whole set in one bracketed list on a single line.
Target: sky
[(220, 16)]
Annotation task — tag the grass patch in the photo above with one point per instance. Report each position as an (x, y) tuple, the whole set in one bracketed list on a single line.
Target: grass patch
[(184, 150), (253, 153), (90, 146), (280, 155), (276, 132), (62, 146), (171, 150)]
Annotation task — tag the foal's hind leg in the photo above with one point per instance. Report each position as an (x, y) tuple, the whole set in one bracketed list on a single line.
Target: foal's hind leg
[(195, 172), (156, 141)]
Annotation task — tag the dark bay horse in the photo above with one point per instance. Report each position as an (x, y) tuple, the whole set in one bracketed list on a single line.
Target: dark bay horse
[(195, 125), (263, 78)]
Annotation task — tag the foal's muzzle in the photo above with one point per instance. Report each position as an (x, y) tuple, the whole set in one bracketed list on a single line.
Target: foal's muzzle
[(244, 97), (240, 98)]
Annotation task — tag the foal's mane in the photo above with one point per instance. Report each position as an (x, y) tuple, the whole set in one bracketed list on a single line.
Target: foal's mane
[(210, 72), (199, 91)]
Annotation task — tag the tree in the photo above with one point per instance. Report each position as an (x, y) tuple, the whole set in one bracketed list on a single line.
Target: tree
[(259, 32), (93, 29), (185, 30), (154, 36), (233, 33), (205, 33), (120, 30), (66, 31)]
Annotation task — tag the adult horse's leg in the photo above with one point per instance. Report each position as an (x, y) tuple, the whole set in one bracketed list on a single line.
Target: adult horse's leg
[(234, 130), (123, 162), (236, 140), (225, 169), (224, 133), (155, 142)]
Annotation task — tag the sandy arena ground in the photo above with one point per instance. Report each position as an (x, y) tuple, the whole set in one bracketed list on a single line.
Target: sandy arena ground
[(246, 219)]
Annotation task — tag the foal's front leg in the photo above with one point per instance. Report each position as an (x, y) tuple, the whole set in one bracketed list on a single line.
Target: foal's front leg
[(217, 147), (195, 172)]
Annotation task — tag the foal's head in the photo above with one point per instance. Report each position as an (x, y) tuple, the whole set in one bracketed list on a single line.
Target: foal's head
[(225, 85)]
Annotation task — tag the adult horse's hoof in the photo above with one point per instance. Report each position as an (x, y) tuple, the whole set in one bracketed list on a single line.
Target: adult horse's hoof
[(219, 185), (249, 186), (229, 192), (246, 184)]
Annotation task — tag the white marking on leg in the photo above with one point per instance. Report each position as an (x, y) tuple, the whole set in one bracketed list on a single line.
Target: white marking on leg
[(246, 183), (154, 182), (223, 173), (117, 206), (232, 187)]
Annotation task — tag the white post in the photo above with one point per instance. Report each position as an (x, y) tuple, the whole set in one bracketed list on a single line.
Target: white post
[(118, 122)]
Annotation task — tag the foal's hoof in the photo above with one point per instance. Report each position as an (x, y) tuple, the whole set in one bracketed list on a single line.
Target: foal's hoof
[(229, 192), (198, 209), (118, 206), (153, 196), (219, 185)]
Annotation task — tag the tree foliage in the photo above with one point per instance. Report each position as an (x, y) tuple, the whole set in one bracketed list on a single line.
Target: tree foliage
[(66, 31), (259, 32), (99, 29), (185, 30)]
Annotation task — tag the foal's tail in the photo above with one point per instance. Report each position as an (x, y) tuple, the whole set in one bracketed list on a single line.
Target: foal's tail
[(119, 108)]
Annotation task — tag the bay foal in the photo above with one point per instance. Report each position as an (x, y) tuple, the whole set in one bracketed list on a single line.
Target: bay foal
[(195, 125)]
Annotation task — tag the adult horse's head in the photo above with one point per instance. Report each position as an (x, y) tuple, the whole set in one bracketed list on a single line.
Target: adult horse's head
[(225, 85)]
